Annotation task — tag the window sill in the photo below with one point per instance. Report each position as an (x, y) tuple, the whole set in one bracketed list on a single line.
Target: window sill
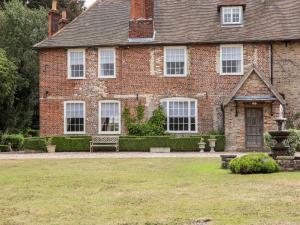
[(183, 75), (182, 132), (74, 133), (231, 74), (74, 78), (107, 77), (103, 132)]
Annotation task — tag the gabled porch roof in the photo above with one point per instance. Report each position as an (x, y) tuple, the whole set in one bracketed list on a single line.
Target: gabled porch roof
[(254, 69)]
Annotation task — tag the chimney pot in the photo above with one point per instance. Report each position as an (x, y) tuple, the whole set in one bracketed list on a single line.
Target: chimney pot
[(54, 5), (64, 14)]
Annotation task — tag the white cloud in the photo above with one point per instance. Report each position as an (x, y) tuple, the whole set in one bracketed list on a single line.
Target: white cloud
[(88, 3)]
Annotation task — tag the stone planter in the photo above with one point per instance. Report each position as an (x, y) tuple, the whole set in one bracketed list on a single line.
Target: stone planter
[(201, 146), (160, 149), (51, 148), (212, 144)]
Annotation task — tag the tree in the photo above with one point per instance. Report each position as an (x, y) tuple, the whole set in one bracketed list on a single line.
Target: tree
[(22, 27), (8, 81), (74, 7)]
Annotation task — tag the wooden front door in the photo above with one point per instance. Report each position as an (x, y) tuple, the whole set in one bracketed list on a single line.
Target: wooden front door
[(254, 128)]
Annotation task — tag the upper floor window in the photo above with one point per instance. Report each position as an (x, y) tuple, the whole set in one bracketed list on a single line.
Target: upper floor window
[(74, 117), (232, 15), (110, 117), (76, 63), (181, 115), (107, 63), (231, 59), (175, 61)]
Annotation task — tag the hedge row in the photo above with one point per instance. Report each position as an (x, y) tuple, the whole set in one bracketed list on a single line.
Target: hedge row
[(16, 140), (35, 143), (177, 144), (72, 144), (127, 143), (4, 148)]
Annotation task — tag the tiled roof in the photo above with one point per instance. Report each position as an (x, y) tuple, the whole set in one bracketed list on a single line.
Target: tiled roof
[(181, 21)]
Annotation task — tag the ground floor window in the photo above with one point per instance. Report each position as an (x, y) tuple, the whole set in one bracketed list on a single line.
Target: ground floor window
[(110, 119), (181, 114), (74, 117)]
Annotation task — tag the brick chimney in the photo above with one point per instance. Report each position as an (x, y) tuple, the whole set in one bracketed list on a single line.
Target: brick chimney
[(63, 21), (53, 18), (141, 19)]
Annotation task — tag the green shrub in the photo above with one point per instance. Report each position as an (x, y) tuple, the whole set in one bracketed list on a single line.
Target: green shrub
[(16, 140), (294, 141), (253, 163), (4, 148), (72, 144), (132, 143), (35, 143)]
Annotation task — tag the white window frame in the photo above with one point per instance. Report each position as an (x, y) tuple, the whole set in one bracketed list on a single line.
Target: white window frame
[(99, 117), (69, 64), (185, 61), (231, 22), (242, 59), (65, 118), (168, 100), (99, 63)]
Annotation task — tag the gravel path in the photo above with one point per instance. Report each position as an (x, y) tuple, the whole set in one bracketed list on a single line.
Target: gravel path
[(87, 155)]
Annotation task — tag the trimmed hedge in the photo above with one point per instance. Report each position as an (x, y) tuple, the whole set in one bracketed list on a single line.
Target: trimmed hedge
[(176, 144), (4, 148), (35, 143), (253, 163), (16, 140), (127, 143), (72, 144)]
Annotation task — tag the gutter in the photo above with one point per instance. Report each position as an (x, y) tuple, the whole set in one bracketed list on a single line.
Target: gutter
[(271, 61)]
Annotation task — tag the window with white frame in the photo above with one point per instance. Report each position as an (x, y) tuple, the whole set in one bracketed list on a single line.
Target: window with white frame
[(181, 115), (76, 63), (175, 61), (232, 15), (110, 117), (107, 63), (74, 117), (231, 59)]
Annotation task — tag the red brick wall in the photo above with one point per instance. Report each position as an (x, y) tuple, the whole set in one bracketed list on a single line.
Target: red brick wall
[(140, 71)]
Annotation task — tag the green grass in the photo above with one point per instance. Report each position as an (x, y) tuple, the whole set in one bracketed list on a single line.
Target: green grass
[(140, 191)]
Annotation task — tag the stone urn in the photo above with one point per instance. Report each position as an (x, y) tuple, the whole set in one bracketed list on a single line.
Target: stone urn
[(201, 145), (51, 148), (212, 143)]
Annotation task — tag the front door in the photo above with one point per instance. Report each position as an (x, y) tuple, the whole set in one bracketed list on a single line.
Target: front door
[(254, 128)]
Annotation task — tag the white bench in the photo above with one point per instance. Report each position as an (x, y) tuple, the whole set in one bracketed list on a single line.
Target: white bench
[(104, 141)]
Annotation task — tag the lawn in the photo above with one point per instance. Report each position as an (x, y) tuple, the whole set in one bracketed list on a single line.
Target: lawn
[(143, 191)]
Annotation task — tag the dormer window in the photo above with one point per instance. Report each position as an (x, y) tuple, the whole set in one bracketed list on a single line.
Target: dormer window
[(232, 15)]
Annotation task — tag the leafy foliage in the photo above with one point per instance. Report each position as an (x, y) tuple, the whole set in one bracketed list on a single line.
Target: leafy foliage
[(71, 144), (38, 144), (16, 140), (294, 141), (21, 28), (8, 82), (136, 125), (254, 163)]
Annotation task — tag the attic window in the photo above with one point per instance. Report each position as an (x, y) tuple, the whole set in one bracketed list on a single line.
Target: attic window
[(232, 15)]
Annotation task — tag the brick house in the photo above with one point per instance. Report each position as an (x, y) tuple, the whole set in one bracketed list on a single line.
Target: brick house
[(218, 64)]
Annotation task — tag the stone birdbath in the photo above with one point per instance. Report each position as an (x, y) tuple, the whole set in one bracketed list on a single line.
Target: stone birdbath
[(280, 148)]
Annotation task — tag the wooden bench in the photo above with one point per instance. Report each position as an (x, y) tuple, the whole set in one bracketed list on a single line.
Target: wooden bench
[(104, 141)]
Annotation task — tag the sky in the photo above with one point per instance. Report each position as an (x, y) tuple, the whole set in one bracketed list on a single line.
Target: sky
[(89, 2)]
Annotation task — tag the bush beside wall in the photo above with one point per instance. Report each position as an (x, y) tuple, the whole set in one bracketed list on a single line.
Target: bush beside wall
[(72, 144), (35, 143), (16, 140), (4, 148), (127, 143), (178, 144)]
